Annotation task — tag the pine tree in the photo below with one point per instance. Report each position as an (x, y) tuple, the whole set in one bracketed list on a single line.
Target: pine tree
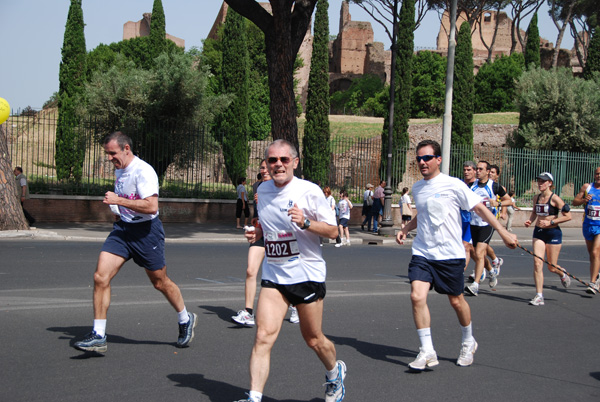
[(403, 84), (532, 47), (592, 63), (316, 151), (70, 146), (463, 96), (234, 122), (158, 31)]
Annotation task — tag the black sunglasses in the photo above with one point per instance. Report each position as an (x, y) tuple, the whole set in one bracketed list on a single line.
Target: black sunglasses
[(284, 159), (426, 158)]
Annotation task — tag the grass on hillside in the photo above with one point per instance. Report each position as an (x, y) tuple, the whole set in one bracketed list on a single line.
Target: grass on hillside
[(368, 127)]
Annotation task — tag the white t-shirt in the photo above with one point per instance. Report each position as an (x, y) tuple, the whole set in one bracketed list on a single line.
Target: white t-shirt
[(331, 202), (293, 255), (439, 230), (405, 199), (136, 182), (344, 209)]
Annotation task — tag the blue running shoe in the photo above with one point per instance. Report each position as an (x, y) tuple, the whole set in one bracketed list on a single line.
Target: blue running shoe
[(92, 342), (186, 331), (335, 390)]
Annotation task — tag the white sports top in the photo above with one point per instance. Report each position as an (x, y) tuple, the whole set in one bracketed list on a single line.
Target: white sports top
[(292, 255), (439, 230), (136, 182)]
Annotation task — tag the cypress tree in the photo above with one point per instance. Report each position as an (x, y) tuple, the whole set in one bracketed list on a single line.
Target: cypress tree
[(158, 33), (404, 62), (532, 47), (234, 122), (463, 99), (70, 146), (592, 63), (316, 130)]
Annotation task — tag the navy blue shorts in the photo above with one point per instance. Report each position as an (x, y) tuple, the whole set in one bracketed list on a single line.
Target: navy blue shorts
[(344, 222), (548, 235), (298, 293), (143, 241), (445, 276), (259, 243)]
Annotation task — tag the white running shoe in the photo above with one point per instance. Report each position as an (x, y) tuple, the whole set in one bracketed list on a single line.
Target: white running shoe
[(493, 278), (537, 301), (294, 319), (472, 289), (472, 276), (467, 350), (243, 317), (338, 244), (424, 359), (335, 390), (566, 281), (592, 289), (496, 267)]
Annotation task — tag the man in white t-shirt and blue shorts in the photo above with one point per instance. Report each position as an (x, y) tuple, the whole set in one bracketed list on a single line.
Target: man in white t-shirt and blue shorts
[(137, 235), (438, 253), (293, 214)]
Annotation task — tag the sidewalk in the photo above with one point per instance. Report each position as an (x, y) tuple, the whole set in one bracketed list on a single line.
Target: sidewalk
[(219, 232)]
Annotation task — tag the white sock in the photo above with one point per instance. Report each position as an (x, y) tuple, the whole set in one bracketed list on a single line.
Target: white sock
[(496, 260), (467, 333), (255, 396), (332, 374), (425, 338), (183, 316), (100, 327)]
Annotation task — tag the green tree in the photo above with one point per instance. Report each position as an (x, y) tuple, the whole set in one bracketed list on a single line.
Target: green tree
[(462, 101), (558, 111), (428, 85), (362, 88), (316, 151), (158, 32), (495, 84), (592, 64), (234, 122), (404, 61), (532, 47), (70, 147)]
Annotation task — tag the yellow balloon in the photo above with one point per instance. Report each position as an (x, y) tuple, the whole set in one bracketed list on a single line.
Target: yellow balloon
[(4, 110)]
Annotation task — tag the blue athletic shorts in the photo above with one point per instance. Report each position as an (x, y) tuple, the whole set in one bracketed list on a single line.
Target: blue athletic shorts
[(298, 293), (466, 232), (590, 231), (445, 276), (143, 241), (549, 235), (344, 222)]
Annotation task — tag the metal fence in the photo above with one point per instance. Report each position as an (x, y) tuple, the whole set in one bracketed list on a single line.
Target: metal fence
[(202, 173)]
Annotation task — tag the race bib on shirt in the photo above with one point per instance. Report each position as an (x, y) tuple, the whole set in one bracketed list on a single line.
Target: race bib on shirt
[(281, 247), (593, 212), (543, 209)]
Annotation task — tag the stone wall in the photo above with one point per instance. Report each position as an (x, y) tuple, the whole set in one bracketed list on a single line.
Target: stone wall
[(141, 28)]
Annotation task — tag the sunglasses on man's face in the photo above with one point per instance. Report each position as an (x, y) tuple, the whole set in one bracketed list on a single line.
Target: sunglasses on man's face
[(284, 159), (426, 158)]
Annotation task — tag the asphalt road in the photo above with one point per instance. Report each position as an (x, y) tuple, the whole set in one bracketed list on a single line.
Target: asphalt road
[(526, 353)]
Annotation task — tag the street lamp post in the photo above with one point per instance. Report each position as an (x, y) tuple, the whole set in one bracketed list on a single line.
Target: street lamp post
[(387, 222)]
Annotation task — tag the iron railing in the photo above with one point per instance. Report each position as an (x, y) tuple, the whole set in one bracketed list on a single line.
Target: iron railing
[(198, 170)]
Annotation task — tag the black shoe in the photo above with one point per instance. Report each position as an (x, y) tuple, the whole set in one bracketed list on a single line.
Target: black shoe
[(186, 331), (362, 227)]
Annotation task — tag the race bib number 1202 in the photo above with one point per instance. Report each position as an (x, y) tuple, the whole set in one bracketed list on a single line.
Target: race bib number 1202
[(281, 247)]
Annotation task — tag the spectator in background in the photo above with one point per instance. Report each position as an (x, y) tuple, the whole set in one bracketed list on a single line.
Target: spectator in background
[(344, 206), (405, 208), (367, 207), (378, 198), (242, 203), (23, 192), (510, 211)]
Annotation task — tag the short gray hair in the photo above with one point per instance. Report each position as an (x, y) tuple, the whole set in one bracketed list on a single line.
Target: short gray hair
[(279, 143), (470, 164)]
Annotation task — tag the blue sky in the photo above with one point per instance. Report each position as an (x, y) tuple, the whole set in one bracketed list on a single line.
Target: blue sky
[(32, 33)]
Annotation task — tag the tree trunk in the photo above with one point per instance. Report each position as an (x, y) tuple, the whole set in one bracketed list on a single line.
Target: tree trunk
[(11, 212)]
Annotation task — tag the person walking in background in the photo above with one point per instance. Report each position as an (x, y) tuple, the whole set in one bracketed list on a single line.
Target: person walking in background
[(242, 203), (139, 235), (23, 192), (589, 195), (378, 199), (367, 208), (438, 255), (259, 180), (293, 214), (547, 236), (335, 209), (510, 210), (344, 206), (405, 207)]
